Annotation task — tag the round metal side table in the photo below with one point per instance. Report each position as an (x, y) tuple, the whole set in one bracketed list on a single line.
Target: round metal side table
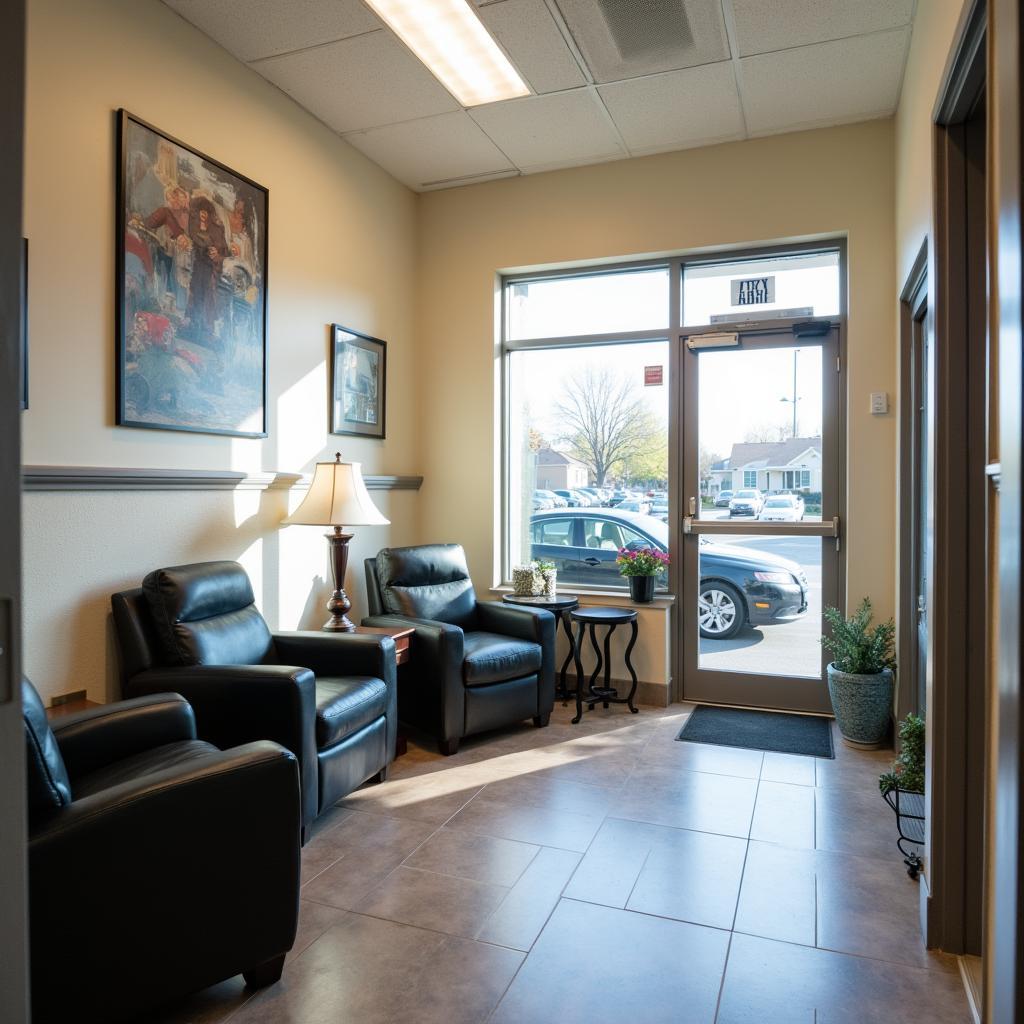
[(560, 607), (607, 694)]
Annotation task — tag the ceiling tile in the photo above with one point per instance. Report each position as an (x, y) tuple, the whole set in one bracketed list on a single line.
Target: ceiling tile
[(765, 25), (827, 83), (534, 43), (432, 150), (556, 129), (357, 83), (261, 28), (625, 39), (677, 109)]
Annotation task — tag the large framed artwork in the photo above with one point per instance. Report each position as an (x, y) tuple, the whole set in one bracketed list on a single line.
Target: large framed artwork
[(191, 289), (358, 383)]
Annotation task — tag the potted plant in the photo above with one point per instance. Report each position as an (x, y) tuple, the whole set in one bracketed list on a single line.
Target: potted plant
[(903, 790), (548, 573), (860, 676), (641, 566)]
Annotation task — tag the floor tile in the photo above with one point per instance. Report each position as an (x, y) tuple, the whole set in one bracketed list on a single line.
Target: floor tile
[(684, 799), (706, 757), (778, 896), (777, 981), (855, 820), (214, 1005), (468, 855), (368, 848), (425, 899), (527, 823), (555, 793), (520, 917), (656, 970), (612, 864), (434, 800), (793, 768), (314, 920), (784, 813), (379, 972)]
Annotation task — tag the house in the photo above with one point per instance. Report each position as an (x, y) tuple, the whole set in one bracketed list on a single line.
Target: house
[(259, 252), (770, 466), (559, 471)]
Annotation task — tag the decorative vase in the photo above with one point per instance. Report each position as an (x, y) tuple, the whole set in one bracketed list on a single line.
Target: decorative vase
[(526, 581), (862, 705), (549, 578), (641, 589)]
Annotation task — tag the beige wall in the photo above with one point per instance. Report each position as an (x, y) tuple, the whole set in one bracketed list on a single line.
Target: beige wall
[(831, 182), (342, 248)]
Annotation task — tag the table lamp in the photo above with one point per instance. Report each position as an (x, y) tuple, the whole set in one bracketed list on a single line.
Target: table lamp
[(337, 497)]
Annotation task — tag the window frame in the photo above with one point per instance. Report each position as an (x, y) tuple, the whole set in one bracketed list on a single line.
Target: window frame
[(749, 484), (674, 335)]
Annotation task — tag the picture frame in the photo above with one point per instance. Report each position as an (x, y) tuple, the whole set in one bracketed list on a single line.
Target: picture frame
[(358, 383), (191, 288), (24, 324)]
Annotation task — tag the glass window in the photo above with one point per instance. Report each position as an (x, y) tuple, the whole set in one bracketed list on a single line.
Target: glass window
[(584, 416), (559, 307), (799, 285), (749, 478)]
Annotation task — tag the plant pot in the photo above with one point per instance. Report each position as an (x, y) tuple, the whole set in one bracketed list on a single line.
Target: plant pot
[(641, 588), (863, 706)]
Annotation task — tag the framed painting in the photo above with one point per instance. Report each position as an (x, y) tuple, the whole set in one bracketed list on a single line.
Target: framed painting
[(358, 383), (191, 289)]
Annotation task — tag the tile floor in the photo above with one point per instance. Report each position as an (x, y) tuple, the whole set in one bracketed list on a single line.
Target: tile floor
[(605, 873)]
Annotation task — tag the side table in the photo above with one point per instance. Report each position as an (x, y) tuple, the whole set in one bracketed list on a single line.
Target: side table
[(607, 694), (402, 635), (560, 607)]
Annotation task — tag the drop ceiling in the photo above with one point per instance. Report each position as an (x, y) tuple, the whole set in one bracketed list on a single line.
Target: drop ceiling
[(611, 79)]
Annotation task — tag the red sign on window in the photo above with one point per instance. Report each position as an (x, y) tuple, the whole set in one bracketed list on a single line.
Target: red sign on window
[(653, 376)]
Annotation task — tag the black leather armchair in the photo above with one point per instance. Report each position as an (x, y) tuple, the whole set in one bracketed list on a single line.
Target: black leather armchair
[(477, 665), (158, 864), (330, 698)]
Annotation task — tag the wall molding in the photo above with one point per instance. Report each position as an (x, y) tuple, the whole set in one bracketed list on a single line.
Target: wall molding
[(107, 478)]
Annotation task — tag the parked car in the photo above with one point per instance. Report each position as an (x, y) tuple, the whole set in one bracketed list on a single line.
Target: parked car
[(570, 498), (619, 496), (723, 499), (634, 505), (746, 503), (782, 508), (557, 501), (659, 509), (596, 493), (541, 504), (738, 586)]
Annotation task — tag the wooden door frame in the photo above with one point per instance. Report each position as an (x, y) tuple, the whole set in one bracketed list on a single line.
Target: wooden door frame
[(1004, 967), (913, 310), (13, 837), (956, 698)]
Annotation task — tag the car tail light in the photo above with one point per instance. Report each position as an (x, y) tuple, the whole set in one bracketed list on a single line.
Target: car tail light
[(773, 577)]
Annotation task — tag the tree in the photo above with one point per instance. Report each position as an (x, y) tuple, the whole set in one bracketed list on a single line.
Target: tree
[(706, 460), (606, 425), (769, 432)]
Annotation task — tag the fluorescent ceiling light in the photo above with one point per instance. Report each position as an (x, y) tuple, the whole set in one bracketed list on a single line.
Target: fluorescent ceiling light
[(448, 36)]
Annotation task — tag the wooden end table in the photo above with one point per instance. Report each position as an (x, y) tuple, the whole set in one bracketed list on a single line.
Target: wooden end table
[(402, 635)]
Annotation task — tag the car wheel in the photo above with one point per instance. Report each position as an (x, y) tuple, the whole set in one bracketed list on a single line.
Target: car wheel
[(720, 611)]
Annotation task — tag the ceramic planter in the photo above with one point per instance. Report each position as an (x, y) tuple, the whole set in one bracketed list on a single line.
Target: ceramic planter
[(641, 588), (862, 705)]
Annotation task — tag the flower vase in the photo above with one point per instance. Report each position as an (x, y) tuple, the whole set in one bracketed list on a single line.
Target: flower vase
[(641, 589), (550, 582)]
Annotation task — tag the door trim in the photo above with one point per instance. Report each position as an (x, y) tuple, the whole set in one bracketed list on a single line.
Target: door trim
[(913, 309)]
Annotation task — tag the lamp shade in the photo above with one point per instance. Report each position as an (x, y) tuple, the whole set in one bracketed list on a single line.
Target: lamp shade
[(337, 496)]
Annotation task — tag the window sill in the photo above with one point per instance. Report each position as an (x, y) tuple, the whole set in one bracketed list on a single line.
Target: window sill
[(603, 597)]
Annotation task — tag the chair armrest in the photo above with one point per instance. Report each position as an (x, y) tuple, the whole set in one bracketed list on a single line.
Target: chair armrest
[(433, 696), (236, 704), (97, 737), (533, 624), (198, 863), (338, 654)]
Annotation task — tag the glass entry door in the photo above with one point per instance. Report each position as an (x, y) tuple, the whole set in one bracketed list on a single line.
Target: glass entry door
[(762, 536)]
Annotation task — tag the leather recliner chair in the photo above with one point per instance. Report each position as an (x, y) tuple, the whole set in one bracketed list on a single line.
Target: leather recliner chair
[(158, 864), (477, 665), (330, 698)]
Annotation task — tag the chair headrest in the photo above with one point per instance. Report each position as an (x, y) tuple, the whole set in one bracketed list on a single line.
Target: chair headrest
[(429, 581), (49, 787)]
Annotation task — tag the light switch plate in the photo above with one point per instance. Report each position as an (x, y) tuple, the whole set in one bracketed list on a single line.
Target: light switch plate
[(879, 403)]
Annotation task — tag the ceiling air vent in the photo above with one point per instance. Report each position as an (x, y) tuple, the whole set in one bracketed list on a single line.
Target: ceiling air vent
[(628, 38)]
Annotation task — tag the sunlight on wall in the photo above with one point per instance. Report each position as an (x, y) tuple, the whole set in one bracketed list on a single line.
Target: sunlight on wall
[(300, 421), (246, 455), (246, 505)]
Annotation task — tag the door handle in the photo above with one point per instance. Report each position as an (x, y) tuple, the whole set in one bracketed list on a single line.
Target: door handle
[(592, 560)]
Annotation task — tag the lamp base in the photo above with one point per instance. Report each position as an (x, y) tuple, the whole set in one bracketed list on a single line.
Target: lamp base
[(339, 604), (339, 622)]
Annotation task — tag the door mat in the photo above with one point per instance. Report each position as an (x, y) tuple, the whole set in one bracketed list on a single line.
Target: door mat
[(759, 730)]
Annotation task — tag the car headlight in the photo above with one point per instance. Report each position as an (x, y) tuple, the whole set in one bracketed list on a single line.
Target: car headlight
[(773, 577)]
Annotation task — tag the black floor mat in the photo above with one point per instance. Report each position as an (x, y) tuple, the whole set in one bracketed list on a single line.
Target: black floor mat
[(759, 730)]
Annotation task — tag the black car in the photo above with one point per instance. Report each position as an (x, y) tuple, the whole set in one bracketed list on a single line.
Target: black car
[(738, 586)]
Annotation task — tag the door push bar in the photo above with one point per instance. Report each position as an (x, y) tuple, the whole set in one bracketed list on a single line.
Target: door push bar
[(826, 528)]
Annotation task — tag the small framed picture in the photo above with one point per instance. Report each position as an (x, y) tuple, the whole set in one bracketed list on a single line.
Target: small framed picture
[(358, 383)]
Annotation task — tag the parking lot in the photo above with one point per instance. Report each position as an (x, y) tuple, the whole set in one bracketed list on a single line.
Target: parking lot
[(786, 648)]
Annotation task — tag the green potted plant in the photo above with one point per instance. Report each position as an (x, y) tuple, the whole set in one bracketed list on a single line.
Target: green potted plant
[(642, 567), (548, 573), (860, 676), (903, 790)]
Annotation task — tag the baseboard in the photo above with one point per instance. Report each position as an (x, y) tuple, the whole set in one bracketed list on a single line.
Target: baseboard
[(971, 975)]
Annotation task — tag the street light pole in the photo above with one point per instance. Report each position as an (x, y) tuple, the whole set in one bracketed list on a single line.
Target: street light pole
[(795, 397)]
